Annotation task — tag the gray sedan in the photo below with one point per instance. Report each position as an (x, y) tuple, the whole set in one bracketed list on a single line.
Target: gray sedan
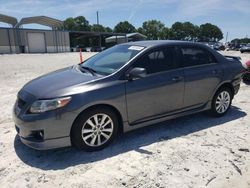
[(121, 89), (245, 48)]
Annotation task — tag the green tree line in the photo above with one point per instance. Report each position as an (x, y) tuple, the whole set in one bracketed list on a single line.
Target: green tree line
[(152, 29), (241, 41)]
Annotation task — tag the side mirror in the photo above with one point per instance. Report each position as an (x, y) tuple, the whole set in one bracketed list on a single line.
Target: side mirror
[(136, 73)]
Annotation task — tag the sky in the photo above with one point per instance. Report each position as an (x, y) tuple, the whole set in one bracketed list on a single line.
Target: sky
[(231, 16)]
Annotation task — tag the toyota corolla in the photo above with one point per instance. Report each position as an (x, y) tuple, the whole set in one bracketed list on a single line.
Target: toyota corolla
[(121, 89)]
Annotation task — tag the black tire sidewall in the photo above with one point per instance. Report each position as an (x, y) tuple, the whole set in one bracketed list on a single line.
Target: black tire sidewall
[(76, 137), (213, 108)]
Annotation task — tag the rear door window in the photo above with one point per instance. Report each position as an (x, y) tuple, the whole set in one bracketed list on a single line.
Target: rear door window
[(194, 56)]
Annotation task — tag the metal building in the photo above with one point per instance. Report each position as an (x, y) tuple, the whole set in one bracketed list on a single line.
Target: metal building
[(18, 40), (130, 37)]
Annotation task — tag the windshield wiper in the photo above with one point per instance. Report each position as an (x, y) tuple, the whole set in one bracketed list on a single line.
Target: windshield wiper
[(92, 71)]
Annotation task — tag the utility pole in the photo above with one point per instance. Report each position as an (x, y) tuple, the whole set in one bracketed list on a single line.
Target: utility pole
[(97, 17), (100, 37), (226, 37)]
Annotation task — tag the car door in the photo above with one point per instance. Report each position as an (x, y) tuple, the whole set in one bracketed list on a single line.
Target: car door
[(160, 91), (202, 74)]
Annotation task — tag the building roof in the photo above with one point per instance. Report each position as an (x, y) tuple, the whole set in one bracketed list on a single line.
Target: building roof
[(136, 35), (8, 19), (129, 35), (42, 20)]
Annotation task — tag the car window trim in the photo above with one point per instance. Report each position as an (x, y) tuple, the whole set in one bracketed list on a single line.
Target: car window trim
[(196, 66)]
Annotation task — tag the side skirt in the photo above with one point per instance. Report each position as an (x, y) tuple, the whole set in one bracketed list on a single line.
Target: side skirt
[(128, 127)]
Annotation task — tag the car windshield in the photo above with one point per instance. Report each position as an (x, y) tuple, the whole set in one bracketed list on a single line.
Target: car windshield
[(112, 59)]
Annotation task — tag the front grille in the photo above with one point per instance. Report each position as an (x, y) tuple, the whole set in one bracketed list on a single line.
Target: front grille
[(20, 103)]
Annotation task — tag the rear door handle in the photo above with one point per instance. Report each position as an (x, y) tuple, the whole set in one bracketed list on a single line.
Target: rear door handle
[(177, 78)]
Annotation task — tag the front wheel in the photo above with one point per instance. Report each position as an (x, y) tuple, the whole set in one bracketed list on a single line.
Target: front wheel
[(221, 102), (94, 129)]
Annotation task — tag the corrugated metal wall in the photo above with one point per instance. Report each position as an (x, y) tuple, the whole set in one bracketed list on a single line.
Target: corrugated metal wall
[(14, 40)]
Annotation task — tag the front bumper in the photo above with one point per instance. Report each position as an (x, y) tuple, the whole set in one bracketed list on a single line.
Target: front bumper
[(44, 133), (47, 144)]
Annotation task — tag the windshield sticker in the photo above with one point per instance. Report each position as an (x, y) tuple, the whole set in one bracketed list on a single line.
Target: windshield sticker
[(137, 48)]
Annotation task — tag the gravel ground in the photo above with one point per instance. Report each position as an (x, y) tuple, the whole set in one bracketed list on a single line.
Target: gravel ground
[(192, 151)]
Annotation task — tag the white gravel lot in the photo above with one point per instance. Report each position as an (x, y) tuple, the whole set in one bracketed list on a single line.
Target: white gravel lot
[(192, 151)]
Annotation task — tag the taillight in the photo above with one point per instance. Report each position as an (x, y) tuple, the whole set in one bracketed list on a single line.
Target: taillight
[(248, 63)]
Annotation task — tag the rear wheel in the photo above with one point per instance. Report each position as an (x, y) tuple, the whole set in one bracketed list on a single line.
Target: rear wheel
[(221, 102), (94, 129)]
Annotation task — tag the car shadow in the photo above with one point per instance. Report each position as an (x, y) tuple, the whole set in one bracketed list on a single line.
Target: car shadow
[(135, 140)]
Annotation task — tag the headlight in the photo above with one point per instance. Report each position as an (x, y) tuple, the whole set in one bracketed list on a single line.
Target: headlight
[(46, 105)]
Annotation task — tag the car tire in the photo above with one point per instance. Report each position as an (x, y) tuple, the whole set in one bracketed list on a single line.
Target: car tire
[(221, 102), (94, 129)]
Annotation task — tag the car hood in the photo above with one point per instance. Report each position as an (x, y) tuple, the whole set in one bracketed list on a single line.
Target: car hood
[(55, 84)]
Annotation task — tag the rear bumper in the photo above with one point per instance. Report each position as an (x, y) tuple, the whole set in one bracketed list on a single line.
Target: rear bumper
[(246, 75)]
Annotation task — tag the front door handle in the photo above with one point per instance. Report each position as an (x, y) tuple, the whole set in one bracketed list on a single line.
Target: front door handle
[(177, 78)]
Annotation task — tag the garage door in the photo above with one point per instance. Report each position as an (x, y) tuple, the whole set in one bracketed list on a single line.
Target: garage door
[(36, 42)]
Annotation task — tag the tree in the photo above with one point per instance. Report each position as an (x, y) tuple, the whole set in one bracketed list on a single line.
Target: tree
[(177, 30), (154, 30), (241, 41), (191, 31), (210, 33), (164, 34), (184, 31), (124, 27), (98, 28), (82, 24), (77, 24), (69, 24), (108, 29)]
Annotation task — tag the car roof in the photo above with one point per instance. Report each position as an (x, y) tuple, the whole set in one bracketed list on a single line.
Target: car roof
[(154, 43)]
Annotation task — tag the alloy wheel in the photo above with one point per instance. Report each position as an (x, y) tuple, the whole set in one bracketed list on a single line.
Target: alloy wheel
[(97, 130), (222, 102)]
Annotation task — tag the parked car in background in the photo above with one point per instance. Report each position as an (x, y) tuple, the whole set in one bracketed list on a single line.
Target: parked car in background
[(245, 48), (80, 47), (216, 46), (219, 47), (123, 88), (234, 47), (97, 49)]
